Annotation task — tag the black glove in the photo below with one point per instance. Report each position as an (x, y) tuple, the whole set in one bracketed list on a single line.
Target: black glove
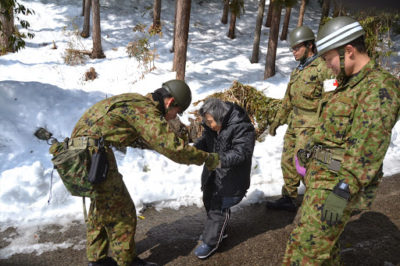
[(332, 210)]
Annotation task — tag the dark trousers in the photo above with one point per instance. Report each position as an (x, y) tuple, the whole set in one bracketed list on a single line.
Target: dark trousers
[(218, 214)]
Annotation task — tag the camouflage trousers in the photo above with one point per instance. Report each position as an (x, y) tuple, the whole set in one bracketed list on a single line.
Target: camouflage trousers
[(111, 220), (295, 139), (313, 242)]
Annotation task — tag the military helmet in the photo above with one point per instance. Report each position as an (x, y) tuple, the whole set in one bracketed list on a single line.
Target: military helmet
[(299, 35), (338, 32), (180, 91)]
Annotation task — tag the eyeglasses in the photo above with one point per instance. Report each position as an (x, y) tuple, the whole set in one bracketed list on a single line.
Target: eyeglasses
[(296, 48)]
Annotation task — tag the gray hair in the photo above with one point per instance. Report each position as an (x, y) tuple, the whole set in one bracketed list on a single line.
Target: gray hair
[(216, 108)]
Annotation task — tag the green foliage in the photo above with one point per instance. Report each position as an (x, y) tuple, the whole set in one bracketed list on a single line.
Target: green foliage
[(378, 28), (143, 48), (16, 40), (237, 7)]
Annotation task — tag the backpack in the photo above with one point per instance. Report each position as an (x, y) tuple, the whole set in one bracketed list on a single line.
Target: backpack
[(77, 168)]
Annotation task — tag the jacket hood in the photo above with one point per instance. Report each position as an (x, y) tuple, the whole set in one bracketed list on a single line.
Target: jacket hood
[(235, 115)]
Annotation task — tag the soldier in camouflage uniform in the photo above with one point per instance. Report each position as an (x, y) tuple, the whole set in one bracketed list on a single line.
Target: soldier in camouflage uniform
[(350, 143), (138, 121), (299, 107)]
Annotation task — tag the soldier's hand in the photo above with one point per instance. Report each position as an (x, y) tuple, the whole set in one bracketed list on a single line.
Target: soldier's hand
[(332, 210), (272, 128), (212, 162)]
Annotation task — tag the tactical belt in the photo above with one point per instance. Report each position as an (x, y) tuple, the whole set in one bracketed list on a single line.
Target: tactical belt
[(83, 142), (300, 111), (326, 156)]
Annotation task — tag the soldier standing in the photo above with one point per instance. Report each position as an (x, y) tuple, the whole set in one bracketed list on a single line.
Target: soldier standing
[(350, 143), (299, 107), (138, 121)]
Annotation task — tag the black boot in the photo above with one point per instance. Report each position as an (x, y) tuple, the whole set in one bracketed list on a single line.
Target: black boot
[(285, 203), (139, 262), (104, 262)]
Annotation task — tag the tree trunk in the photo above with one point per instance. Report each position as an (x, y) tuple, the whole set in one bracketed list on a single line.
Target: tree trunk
[(273, 41), (181, 37), (7, 29), (257, 32), (86, 20), (325, 11), (301, 14), (83, 8), (232, 25), (157, 14), (225, 12), (286, 23), (97, 51), (269, 15), (338, 9), (173, 37)]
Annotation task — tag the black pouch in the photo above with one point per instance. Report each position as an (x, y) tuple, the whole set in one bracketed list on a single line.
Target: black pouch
[(99, 165)]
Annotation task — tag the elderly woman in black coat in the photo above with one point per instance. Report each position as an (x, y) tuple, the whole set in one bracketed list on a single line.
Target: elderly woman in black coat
[(229, 132)]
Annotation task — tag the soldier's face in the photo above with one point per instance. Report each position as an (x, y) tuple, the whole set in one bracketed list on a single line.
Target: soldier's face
[(332, 60), (298, 51), (210, 122)]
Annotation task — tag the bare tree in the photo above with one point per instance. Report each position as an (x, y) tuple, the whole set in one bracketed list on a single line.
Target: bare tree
[(273, 40), (225, 12), (173, 37), (285, 26), (97, 51), (301, 14), (325, 11), (257, 32), (83, 8), (338, 9), (86, 19), (236, 7), (232, 25), (269, 14), (157, 14), (6, 29), (181, 37)]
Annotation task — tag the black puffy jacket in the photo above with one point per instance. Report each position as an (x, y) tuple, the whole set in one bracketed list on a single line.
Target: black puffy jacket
[(235, 145)]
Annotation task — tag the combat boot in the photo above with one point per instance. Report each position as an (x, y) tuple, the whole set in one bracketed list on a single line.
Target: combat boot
[(104, 262), (139, 262), (284, 203)]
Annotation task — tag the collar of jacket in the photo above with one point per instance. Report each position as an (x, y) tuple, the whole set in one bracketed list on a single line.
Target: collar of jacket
[(306, 62), (356, 78)]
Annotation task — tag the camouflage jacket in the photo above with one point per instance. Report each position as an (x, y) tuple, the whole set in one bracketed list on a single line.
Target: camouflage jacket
[(357, 119), (135, 120), (303, 94)]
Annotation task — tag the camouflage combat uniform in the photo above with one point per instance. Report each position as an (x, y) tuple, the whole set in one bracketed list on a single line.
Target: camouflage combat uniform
[(299, 107), (355, 128), (125, 120)]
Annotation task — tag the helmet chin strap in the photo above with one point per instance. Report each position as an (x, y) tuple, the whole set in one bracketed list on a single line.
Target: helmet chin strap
[(342, 74), (305, 55)]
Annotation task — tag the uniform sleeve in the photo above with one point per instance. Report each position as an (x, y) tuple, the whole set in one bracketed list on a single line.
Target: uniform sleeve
[(242, 147), (157, 134), (370, 133), (285, 108)]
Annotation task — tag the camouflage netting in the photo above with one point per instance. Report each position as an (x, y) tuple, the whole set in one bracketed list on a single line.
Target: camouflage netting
[(260, 108)]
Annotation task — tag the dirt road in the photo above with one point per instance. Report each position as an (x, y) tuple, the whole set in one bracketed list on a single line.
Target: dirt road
[(256, 236)]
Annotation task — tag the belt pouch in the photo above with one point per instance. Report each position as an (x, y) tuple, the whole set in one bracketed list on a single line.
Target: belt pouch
[(99, 165)]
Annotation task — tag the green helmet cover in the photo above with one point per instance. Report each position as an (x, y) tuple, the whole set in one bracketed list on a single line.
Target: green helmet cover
[(300, 35), (338, 32), (180, 91)]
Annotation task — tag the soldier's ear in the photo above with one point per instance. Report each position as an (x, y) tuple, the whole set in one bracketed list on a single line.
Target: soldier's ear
[(169, 102)]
